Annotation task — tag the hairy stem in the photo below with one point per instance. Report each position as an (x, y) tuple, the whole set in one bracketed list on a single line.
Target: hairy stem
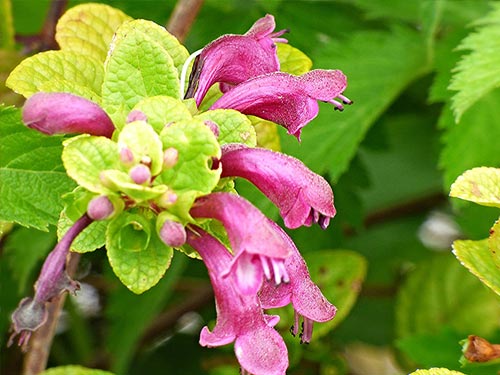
[(182, 17)]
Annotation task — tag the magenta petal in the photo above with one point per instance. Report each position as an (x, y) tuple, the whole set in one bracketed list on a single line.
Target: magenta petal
[(262, 352), (300, 194), (247, 273), (288, 100), (232, 59), (63, 113), (218, 337)]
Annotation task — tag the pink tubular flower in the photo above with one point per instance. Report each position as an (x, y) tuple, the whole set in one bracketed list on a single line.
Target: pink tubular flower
[(232, 59), (302, 196), (31, 313), (63, 113), (305, 296), (286, 99), (259, 348), (259, 249)]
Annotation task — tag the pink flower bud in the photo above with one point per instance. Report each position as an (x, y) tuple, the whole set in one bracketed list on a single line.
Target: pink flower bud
[(100, 208), (63, 113), (136, 115), (140, 174), (170, 157), (167, 199), (126, 156), (173, 233)]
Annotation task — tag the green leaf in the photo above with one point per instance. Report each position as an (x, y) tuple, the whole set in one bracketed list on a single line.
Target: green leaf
[(293, 60), (233, 126), (441, 292), (141, 310), (160, 35), (143, 141), (192, 175), (74, 370), (437, 371), (378, 66), (477, 258), (24, 249), (58, 71), (137, 255), (478, 72), (133, 67), (87, 29), (340, 284), (469, 143), (32, 178), (92, 237), (479, 185), (494, 243), (85, 157), (267, 133), (162, 110)]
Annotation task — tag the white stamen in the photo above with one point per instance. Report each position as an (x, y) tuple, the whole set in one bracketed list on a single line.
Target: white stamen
[(185, 67)]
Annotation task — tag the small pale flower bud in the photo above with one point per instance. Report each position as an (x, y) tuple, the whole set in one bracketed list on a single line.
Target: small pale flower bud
[(173, 233), (140, 174), (170, 157), (126, 156), (167, 199), (100, 208), (136, 115)]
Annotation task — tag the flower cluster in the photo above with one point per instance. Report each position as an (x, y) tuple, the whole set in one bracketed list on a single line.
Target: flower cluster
[(136, 173)]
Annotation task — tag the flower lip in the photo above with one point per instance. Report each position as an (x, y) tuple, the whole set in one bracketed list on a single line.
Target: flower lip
[(302, 196), (288, 100), (232, 59)]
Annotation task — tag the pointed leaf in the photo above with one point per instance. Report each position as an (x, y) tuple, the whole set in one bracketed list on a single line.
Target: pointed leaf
[(136, 254), (87, 29), (479, 185), (477, 258), (137, 67), (85, 157), (233, 126), (479, 71), (58, 71), (32, 178), (374, 62)]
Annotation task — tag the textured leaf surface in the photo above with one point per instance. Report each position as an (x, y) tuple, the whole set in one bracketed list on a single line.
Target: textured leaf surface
[(137, 67), (293, 60), (339, 274), (478, 72), (58, 71), (32, 178), (267, 133), (87, 29), (477, 257), (445, 294), (479, 185), (84, 158), (374, 62), (233, 126), (494, 244), (162, 110), (91, 238), (136, 254)]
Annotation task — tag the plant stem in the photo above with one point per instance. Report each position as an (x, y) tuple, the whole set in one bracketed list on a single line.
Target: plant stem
[(6, 26), (182, 18)]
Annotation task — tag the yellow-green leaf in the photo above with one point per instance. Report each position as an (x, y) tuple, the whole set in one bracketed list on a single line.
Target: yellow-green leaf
[(58, 71), (477, 258), (87, 29), (74, 370), (161, 110), (293, 60), (437, 371), (480, 185), (494, 243), (267, 133)]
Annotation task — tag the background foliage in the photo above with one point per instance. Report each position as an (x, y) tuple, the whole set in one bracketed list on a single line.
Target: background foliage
[(426, 110)]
